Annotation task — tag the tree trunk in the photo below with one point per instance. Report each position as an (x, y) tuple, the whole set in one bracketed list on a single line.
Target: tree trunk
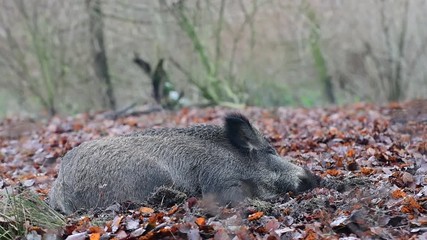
[(100, 64)]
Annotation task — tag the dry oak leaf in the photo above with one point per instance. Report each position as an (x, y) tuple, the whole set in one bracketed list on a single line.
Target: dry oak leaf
[(351, 153), (333, 172), (411, 205), (38, 230), (146, 210), (367, 170), (311, 235), (95, 229), (77, 126), (173, 210), (131, 121), (396, 194), (201, 221), (95, 236), (255, 216), (83, 223)]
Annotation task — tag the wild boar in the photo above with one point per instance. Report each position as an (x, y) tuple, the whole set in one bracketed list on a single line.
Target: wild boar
[(230, 163)]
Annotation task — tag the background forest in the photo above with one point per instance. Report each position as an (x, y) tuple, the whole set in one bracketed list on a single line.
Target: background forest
[(73, 56)]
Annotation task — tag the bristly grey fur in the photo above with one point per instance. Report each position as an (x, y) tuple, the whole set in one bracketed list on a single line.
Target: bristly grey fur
[(230, 163)]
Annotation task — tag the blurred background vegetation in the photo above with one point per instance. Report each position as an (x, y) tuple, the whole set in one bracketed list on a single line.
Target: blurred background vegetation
[(59, 56)]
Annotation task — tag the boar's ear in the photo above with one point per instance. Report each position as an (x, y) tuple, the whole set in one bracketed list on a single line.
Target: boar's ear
[(241, 133)]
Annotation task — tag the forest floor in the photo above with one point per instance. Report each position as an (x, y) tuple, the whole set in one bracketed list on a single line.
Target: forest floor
[(384, 147)]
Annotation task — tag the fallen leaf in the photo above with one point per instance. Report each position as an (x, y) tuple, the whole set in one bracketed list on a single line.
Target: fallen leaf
[(339, 221), (221, 234), (95, 229), (311, 235), (272, 225), (146, 210), (173, 210), (95, 236), (77, 236), (398, 194), (131, 121), (367, 171), (407, 178), (351, 153), (333, 172), (132, 224), (201, 221), (116, 223), (38, 230), (121, 234), (410, 205), (137, 232), (255, 216)]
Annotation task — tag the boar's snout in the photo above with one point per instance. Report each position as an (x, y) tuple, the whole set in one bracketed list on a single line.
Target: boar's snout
[(307, 181)]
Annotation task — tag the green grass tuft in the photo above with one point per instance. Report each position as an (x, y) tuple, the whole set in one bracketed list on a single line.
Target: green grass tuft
[(20, 210)]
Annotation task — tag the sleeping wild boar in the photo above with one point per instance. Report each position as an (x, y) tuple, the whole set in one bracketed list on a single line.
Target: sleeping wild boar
[(230, 163)]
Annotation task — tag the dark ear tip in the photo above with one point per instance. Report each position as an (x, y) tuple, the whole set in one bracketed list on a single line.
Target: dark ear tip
[(235, 118)]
